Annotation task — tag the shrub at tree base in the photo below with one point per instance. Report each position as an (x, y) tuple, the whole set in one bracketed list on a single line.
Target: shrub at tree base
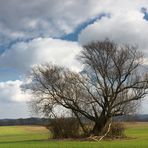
[(117, 130), (64, 128), (69, 128)]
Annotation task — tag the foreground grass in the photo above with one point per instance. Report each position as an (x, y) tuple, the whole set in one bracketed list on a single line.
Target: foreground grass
[(37, 137), (22, 133)]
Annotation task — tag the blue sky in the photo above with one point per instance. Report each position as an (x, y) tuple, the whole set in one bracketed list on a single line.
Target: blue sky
[(73, 36), (34, 32)]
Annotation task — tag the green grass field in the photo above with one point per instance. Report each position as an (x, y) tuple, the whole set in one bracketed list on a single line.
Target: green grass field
[(37, 137)]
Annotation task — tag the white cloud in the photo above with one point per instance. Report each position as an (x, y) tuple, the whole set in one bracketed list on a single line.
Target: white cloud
[(123, 28), (10, 91), (13, 100), (23, 55)]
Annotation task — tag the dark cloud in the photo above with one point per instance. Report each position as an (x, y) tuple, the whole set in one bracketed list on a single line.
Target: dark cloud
[(27, 19)]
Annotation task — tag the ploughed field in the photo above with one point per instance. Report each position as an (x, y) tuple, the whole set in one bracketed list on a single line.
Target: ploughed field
[(37, 137)]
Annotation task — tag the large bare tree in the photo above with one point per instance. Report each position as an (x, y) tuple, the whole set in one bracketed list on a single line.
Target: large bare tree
[(109, 85)]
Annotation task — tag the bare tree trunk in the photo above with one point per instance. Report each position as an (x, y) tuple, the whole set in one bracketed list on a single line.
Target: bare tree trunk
[(100, 125)]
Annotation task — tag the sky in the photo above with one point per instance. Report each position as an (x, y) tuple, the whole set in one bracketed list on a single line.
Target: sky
[(40, 31)]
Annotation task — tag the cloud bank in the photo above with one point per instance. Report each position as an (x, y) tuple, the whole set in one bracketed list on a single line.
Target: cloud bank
[(27, 19), (29, 32)]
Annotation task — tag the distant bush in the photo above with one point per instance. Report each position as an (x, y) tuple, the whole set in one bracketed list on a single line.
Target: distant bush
[(64, 128)]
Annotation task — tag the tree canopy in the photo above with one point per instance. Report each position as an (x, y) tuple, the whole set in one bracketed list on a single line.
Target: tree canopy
[(109, 85)]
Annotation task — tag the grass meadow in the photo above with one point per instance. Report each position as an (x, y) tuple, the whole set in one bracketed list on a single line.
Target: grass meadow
[(37, 137)]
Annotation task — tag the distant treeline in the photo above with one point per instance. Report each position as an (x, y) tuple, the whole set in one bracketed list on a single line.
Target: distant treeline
[(45, 121), (134, 118), (26, 121)]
